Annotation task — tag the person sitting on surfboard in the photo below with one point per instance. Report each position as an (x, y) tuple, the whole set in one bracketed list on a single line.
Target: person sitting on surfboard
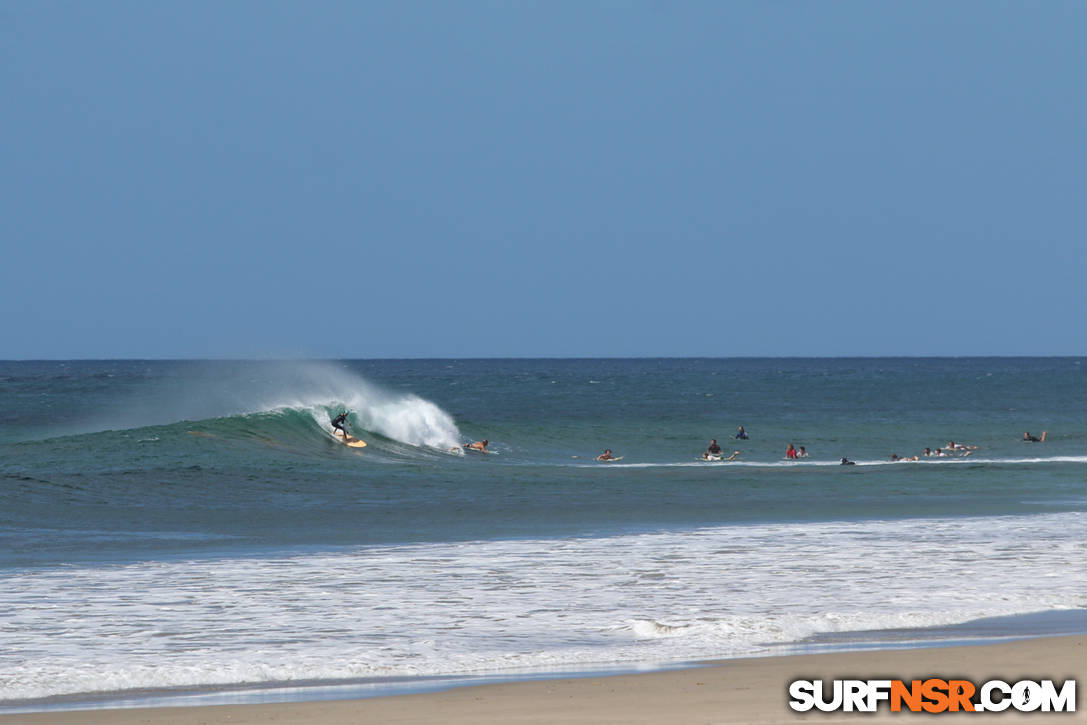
[(742, 433), (606, 455), (337, 424), (480, 446)]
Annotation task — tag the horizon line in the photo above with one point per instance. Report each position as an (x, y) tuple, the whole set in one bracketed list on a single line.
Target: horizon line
[(546, 357)]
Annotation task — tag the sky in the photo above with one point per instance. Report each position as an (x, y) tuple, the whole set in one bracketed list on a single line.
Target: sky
[(257, 179)]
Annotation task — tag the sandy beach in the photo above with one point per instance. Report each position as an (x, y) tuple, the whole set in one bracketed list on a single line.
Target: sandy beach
[(752, 690)]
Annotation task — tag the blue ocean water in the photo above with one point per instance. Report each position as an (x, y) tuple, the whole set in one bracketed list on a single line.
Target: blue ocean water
[(173, 525)]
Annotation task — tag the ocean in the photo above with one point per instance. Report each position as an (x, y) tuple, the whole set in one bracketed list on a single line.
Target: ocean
[(191, 529)]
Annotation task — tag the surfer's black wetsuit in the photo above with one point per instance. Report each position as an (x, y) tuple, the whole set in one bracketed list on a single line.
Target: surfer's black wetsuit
[(337, 424)]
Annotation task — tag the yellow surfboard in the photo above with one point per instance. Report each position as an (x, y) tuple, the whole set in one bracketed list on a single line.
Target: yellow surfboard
[(349, 441)]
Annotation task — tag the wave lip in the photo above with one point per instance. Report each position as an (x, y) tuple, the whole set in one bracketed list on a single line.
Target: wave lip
[(410, 419), (326, 390), (265, 401)]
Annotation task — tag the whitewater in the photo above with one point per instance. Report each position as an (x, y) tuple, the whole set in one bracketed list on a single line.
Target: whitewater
[(480, 607)]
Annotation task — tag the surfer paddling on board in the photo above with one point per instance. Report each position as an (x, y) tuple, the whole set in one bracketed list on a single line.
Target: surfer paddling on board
[(337, 425), (714, 449), (606, 456), (480, 446), (1028, 438)]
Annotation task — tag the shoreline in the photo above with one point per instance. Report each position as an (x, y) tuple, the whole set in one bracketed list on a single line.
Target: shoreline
[(983, 632), (744, 690)]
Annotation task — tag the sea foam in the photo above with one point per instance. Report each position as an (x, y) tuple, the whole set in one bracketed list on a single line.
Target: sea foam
[(489, 606)]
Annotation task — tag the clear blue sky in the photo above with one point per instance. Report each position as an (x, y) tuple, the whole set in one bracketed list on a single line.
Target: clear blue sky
[(463, 179)]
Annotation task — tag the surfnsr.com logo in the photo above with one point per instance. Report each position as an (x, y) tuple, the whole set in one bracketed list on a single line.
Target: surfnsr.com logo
[(933, 695)]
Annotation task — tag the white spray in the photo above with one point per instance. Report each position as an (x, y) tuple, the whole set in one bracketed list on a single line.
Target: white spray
[(199, 391), (404, 417)]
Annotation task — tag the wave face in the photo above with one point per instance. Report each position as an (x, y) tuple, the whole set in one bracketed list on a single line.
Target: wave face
[(324, 389), (233, 397)]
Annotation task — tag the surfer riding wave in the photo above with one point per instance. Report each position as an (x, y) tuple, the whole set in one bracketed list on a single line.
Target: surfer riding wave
[(338, 425)]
